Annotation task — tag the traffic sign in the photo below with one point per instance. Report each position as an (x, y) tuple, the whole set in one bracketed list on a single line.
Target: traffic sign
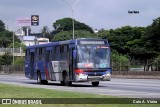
[(34, 20)]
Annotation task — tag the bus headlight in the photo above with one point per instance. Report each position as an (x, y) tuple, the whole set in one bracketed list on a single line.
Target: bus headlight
[(81, 75), (106, 77)]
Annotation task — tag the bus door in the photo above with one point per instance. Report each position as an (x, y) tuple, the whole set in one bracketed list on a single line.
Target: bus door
[(71, 62), (48, 67), (32, 65)]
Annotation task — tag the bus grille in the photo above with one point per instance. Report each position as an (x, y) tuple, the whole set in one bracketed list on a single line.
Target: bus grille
[(95, 74)]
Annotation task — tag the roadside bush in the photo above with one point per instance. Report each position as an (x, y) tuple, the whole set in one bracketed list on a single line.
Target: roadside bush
[(19, 61), (120, 62)]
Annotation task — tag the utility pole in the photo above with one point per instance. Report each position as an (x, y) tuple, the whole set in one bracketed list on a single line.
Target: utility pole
[(13, 46)]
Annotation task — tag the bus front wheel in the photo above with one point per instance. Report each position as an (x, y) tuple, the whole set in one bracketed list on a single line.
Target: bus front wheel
[(95, 83), (66, 81)]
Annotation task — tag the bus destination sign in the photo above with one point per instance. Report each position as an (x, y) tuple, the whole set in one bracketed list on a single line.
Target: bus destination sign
[(92, 42)]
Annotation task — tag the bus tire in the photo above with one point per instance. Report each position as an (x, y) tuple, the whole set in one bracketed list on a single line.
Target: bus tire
[(39, 80), (95, 84), (62, 83), (65, 81), (44, 82)]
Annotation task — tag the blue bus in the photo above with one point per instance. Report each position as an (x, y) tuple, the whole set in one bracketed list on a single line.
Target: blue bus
[(79, 60)]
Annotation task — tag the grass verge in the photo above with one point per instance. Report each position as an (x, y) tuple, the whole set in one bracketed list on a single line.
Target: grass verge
[(11, 91)]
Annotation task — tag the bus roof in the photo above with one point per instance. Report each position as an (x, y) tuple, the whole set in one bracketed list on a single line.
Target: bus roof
[(64, 42)]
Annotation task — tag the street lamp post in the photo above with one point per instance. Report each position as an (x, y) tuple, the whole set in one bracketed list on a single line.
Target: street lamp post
[(13, 46), (72, 9)]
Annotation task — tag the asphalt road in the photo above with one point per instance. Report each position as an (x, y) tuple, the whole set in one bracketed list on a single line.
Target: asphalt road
[(133, 88)]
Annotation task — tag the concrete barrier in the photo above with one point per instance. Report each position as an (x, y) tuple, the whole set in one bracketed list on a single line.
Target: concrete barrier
[(8, 69)]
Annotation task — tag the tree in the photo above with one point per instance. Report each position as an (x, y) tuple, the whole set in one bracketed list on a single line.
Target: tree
[(45, 31), (6, 59), (118, 38), (67, 35), (65, 24), (64, 35), (102, 33), (152, 37), (2, 26), (6, 38), (125, 40), (151, 42), (136, 45)]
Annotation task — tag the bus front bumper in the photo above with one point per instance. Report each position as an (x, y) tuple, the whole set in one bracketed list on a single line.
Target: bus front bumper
[(85, 78)]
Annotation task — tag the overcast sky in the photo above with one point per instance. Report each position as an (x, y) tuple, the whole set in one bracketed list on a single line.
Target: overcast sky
[(107, 14)]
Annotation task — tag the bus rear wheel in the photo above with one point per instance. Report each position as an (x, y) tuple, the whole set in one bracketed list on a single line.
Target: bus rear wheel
[(39, 79), (95, 83)]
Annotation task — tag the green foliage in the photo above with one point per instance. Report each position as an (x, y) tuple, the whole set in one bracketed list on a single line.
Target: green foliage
[(2, 26), (19, 61), (6, 59), (6, 38), (127, 41), (45, 31), (66, 24), (17, 45), (67, 35), (152, 37), (119, 62), (64, 35), (139, 43)]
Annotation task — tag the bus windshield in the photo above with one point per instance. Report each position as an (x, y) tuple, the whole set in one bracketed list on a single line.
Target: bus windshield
[(91, 56)]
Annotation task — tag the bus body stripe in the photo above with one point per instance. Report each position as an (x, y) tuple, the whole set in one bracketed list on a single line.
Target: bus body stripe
[(47, 73)]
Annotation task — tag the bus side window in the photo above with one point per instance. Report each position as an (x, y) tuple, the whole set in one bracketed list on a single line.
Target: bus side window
[(36, 54), (43, 54), (57, 54), (52, 53), (27, 56), (32, 57), (40, 54), (64, 52), (48, 55)]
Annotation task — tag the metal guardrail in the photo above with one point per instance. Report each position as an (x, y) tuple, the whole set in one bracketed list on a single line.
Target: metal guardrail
[(10, 50), (8, 69), (137, 73), (19, 69)]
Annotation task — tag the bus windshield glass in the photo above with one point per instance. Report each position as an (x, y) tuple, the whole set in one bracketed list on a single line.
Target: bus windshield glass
[(93, 56)]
